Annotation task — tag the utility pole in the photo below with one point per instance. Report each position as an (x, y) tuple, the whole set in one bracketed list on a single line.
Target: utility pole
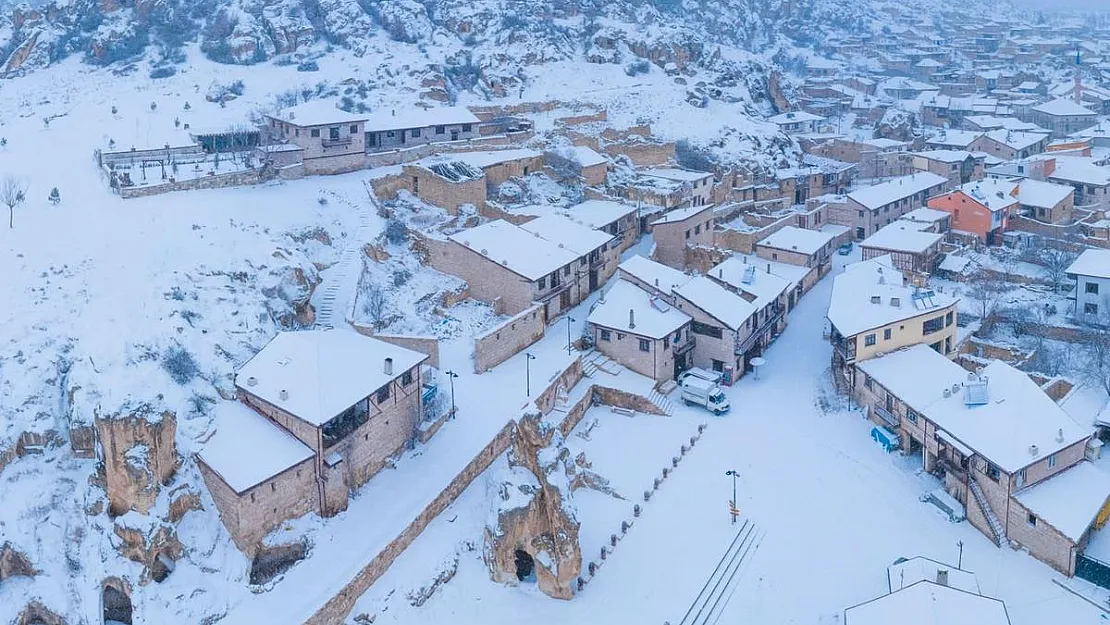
[(528, 358), (570, 320), (733, 510)]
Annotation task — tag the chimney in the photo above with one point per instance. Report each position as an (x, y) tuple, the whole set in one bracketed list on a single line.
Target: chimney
[(1060, 435), (393, 112), (657, 283), (388, 367), (721, 274), (768, 267), (252, 381), (631, 319), (942, 577), (283, 394), (1032, 450)]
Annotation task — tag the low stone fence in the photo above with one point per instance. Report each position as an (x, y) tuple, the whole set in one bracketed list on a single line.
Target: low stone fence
[(642, 153), (415, 153), (428, 345), (504, 341), (214, 181)]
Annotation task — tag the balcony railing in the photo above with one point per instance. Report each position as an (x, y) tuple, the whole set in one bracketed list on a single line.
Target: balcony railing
[(885, 415), (335, 143), (743, 346), (686, 346), (950, 467)]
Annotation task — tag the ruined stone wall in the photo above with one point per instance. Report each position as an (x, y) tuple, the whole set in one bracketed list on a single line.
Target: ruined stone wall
[(215, 181), (643, 154), (134, 484), (439, 191), (506, 340)]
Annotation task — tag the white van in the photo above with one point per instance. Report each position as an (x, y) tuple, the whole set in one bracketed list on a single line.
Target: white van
[(705, 394), (704, 374)]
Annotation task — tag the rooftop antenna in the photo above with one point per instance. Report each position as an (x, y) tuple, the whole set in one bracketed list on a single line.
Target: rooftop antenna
[(1078, 77)]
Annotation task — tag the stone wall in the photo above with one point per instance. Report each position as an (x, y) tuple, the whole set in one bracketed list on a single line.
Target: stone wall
[(506, 340), (701, 259), (642, 153), (487, 280), (439, 191), (139, 458), (428, 345), (1043, 541), (566, 380), (578, 120), (215, 181)]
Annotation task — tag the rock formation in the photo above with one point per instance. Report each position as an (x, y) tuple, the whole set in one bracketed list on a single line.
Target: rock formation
[(532, 531), (13, 563), (139, 457)]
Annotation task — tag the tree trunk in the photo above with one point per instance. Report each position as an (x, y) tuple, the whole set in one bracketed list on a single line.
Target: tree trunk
[(11, 217)]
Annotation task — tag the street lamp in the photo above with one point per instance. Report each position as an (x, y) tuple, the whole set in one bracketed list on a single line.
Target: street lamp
[(960, 563), (570, 320), (528, 358), (451, 375), (733, 473)]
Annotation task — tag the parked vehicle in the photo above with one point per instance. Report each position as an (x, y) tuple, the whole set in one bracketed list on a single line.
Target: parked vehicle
[(704, 393), (845, 249), (703, 374)]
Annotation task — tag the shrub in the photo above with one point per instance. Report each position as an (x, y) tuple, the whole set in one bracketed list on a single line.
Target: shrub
[(693, 157), (162, 72), (636, 68), (396, 233), (308, 66), (179, 364)]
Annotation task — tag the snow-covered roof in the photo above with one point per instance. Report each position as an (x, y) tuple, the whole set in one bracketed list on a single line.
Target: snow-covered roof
[(993, 193), (883, 143), (1069, 501), (794, 239), (925, 215), (515, 248), (1042, 194), (318, 113), (902, 574), (953, 263), (656, 274), (653, 317), (1016, 139), (1082, 170), (581, 154), (794, 117), (903, 236), (417, 117), (1093, 262), (945, 156), (927, 603), (566, 232), (915, 375), (248, 449), (480, 160), (992, 122), (1063, 107), (954, 138), (599, 213), (717, 301), (851, 309), (317, 374), (675, 174), (682, 214), (1018, 424), (754, 278), (882, 194)]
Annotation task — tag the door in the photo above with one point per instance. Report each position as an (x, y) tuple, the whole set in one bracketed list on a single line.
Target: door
[(454, 135), (564, 300), (593, 280)]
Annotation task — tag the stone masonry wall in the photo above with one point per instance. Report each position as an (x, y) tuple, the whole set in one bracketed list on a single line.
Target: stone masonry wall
[(489, 282), (506, 340), (217, 181), (1043, 541), (428, 345)]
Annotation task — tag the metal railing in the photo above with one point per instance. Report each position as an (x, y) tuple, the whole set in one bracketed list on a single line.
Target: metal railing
[(885, 415), (743, 346)]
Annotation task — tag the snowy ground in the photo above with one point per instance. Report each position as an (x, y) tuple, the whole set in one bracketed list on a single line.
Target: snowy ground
[(836, 509)]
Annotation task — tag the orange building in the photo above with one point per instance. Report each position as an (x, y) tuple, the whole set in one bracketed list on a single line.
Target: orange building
[(982, 208)]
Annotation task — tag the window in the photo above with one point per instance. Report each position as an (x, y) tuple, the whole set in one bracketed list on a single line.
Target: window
[(705, 329), (333, 133), (1090, 309), (390, 133), (1052, 461), (718, 365), (382, 394), (296, 132), (860, 213), (774, 255), (1021, 478), (415, 133), (354, 129), (911, 416), (606, 335), (543, 283), (466, 128), (993, 472), (566, 270), (886, 334), (936, 324), (406, 378), (869, 340), (440, 130), (697, 229), (687, 234), (645, 345), (666, 344), (315, 133), (1031, 520), (1091, 288), (947, 345), (948, 319)]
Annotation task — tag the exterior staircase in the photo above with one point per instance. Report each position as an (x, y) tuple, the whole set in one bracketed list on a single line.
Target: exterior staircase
[(334, 306), (988, 512), (595, 361), (661, 402)]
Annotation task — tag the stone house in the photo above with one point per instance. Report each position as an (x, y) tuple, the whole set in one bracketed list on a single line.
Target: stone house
[(910, 245), (591, 167), (1010, 145), (391, 130), (1001, 447), (555, 262), (796, 122), (873, 207), (452, 180), (773, 296), (320, 413), (724, 324), (642, 331), (928, 597), (982, 208), (615, 218), (333, 141), (797, 246), (1063, 117), (814, 177), (874, 311), (959, 166), (1091, 272), (933, 220), (681, 228), (672, 187), (1047, 202), (1090, 180)]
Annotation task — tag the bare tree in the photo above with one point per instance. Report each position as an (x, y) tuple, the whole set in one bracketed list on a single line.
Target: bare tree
[(374, 305), (13, 192), (1056, 262), (987, 292)]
